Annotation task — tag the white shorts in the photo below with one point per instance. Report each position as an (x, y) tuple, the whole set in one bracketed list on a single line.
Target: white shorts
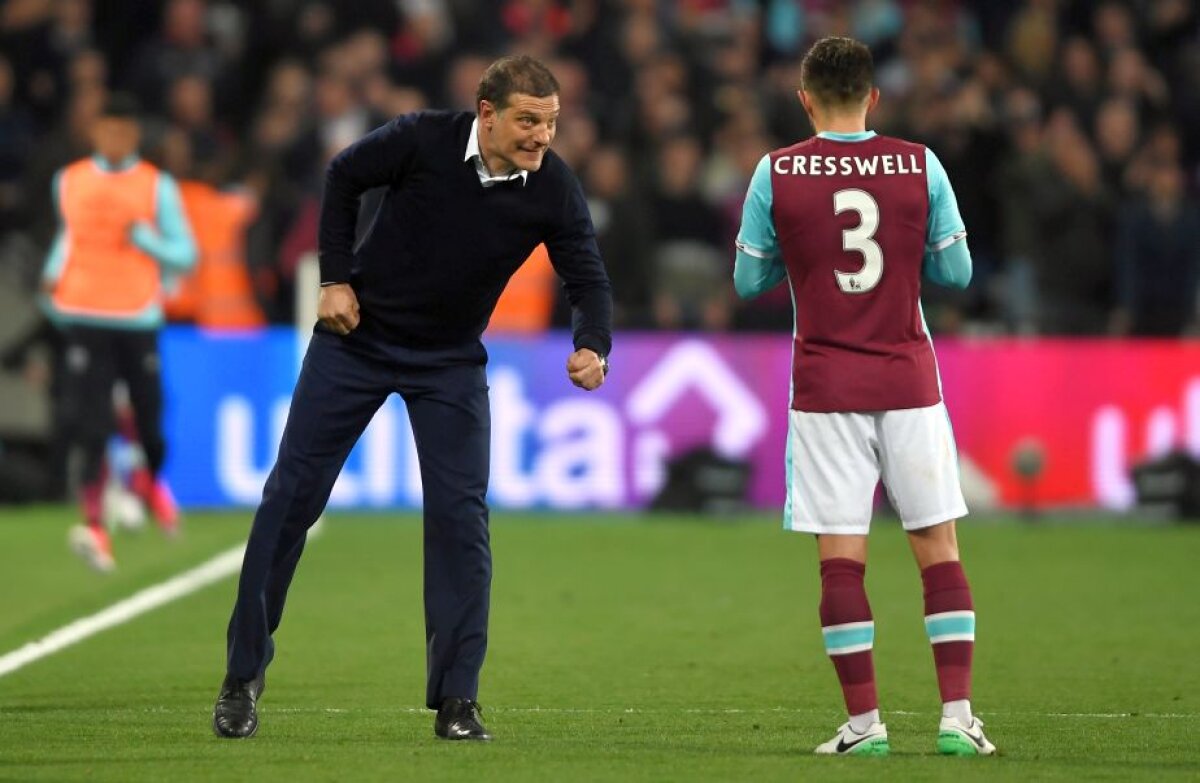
[(834, 461)]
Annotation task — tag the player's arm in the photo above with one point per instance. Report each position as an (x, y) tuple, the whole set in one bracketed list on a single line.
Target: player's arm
[(169, 241), (947, 258), (951, 265), (757, 267)]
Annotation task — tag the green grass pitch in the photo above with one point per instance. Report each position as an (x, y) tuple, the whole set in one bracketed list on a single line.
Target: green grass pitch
[(622, 648)]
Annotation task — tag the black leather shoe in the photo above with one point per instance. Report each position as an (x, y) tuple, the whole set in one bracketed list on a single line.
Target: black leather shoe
[(235, 715), (459, 719)]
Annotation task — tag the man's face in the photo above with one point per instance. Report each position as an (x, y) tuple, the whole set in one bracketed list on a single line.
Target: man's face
[(115, 138), (518, 135)]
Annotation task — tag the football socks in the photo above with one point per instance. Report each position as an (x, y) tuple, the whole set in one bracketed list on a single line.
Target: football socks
[(950, 624), (849, 632)]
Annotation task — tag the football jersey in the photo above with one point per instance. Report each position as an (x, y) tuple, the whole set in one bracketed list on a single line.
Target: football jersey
[(848, 219)]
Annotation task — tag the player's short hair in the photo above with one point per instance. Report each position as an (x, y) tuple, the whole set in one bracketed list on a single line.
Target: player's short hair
[(516, 74), (121, 106), (838, 71)]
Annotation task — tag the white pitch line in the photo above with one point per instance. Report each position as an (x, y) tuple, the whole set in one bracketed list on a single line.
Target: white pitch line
[(225, 564), (215, 569), (712, 711), (219, 567)]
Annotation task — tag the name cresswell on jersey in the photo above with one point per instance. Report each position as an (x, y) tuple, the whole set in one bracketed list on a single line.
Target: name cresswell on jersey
[(846, 165)]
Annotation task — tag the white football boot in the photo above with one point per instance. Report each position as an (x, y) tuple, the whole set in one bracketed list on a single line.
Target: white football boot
[(93, 546), (848, 742), (956, 738)]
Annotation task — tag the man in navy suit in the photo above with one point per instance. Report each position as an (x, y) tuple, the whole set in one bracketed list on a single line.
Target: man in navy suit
[(469, 196)]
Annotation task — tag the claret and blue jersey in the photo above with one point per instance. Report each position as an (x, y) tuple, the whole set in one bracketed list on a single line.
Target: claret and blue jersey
[(852, 222)]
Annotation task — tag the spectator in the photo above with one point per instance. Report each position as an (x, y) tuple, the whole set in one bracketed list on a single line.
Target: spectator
[(1158, 260), (16, 142), (88, 70), (190, 110), (1116, 141), (1080, 85), (1113, 28), (218, 292), (1018, 176), (1031, 40), (181, 48), (623, 231), (691, 280), (45, 53), (68, 140), (1072, 251), (1130, 77)]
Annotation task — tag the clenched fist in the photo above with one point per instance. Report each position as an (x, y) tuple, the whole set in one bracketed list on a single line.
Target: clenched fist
[(337, 308), (586, 369)]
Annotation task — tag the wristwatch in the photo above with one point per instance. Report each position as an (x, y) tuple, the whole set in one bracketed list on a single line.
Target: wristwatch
[(603, 363)]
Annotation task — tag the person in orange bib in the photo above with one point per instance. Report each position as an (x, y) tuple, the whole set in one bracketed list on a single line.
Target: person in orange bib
[(122, 231), (219, 293)]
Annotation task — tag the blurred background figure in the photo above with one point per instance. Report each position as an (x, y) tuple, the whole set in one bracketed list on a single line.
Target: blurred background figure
[(16, 143), (122, 233), (218, 293), (1073, 212), (623, 231), (1158, 260), (527, 304), (690, 278)]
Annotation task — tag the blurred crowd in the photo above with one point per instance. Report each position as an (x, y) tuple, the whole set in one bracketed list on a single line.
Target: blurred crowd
[(1070, 131)]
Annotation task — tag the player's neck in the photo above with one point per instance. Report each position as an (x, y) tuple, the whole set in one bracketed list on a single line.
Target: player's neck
[(840, 123)]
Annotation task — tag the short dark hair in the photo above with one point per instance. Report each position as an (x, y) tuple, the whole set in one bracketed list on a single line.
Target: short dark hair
[(520, 73), (121, 106), (838, 71)]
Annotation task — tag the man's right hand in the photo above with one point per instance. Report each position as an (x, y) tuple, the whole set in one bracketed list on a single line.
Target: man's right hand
[(337, 309)]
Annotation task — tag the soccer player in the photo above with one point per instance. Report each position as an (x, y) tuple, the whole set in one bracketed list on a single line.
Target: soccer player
[(851, 220), (122, 228)]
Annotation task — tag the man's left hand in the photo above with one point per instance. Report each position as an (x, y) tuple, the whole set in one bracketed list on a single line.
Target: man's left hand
[(585, 369)]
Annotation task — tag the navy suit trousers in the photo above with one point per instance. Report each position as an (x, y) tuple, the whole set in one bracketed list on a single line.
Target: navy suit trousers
[(339, 389)]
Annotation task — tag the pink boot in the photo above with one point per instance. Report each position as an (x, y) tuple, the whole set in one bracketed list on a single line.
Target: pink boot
[(158, 498)]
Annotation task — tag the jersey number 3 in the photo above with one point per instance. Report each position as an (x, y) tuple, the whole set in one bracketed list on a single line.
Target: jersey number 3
[(860, 239)]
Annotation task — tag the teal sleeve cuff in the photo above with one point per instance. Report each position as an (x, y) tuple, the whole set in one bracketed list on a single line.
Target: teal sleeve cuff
[(950, 265), (57, 258), (753, 276)]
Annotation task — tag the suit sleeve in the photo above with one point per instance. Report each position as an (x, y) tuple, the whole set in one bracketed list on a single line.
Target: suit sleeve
[(576, 259), (384, 156)]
